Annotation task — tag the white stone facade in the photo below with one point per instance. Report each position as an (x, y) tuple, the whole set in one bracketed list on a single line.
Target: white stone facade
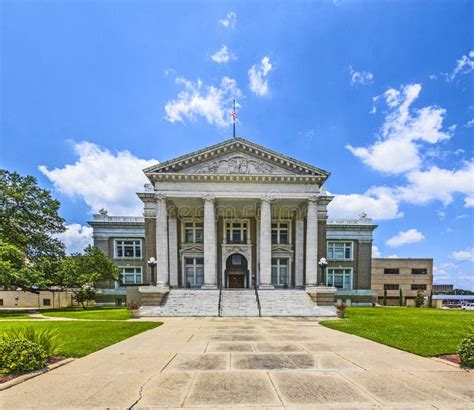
[(243, 215)]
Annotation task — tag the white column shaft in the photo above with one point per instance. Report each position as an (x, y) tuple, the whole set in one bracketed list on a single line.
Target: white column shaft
[(265, 244), (173, 250), (312, 244), (210, 246), (162, 269), (299, 252)]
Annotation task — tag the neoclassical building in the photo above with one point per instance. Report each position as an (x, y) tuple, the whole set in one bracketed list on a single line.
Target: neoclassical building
[(238, 215)]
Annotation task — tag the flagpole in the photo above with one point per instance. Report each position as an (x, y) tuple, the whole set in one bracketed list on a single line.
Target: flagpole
[(233, 116)]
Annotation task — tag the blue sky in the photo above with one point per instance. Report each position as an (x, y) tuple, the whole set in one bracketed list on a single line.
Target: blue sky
[(379, 93)]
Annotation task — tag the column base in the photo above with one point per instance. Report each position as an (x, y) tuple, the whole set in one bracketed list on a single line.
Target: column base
[(265, 287), (209, 287)]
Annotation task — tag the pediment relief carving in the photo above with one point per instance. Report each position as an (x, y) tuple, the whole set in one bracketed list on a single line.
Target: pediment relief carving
[(238, 164)]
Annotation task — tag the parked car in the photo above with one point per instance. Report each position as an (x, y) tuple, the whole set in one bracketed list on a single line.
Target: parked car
[(468, 306)]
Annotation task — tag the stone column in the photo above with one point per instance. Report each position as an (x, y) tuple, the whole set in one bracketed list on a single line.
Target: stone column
[(162, 268), (210, 244), (299, 252), (265, 244), (312, 243), (173, 249)]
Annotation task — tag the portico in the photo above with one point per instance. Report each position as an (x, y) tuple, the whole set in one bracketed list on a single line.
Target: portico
[(236, 215)]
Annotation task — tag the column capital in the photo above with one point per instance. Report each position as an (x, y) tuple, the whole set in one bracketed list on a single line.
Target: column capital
[(160, 196), (313, 199), (266, 198), (208, 198)]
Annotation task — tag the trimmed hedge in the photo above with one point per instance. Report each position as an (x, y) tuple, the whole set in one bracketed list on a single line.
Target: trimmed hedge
[(20, 355)]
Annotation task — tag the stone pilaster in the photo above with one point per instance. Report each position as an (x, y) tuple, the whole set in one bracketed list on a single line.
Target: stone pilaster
[(299, 252), (162, 267), (312, 243), (265, 243), (210, 245), (173, 249)]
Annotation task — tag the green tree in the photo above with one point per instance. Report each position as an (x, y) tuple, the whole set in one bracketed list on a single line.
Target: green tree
[(419, 298), (85, 271), (16, 271), (29, 217), (400, 298)]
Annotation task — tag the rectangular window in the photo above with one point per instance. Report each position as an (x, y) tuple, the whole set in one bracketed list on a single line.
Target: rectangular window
[(340, 251), (194, 269), (46, 302), (1, 302), (128, 248), (236, 232), (340, 278), (194, 232), (389, 286), (419, 271), (132, 276), (391, 271), (418, 287), (280, 233), (279, 271)]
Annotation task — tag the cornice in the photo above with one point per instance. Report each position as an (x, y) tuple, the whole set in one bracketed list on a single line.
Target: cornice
[(267, 178)]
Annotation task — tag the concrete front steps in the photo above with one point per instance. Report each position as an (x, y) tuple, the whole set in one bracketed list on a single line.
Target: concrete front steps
[(291, 302), (239, 302), (185, 302)]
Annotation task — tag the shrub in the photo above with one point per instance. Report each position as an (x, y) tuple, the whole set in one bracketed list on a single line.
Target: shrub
[(21, 355), (47, 339), (400, 298), (466, 351), (341, 310), (385, 297), (133, 305)]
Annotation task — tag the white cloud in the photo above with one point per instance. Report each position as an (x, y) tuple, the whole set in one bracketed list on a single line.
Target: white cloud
[(257, 74), (433, 77), (201, 100), (464, 255), (401, 133), (223, 55), (438, 184), (395, 256), (463, 66), (376, 252), (376, 202), (405, 237), (102, 179), (230, 20), (361, 77), (470, 123), (76, 237), (469, 202)]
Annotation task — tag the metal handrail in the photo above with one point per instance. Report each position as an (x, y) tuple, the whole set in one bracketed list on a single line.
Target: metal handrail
[(258, 299)]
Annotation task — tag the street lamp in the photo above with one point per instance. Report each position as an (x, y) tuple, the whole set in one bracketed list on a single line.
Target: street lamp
[(152, 264), (322, 264)]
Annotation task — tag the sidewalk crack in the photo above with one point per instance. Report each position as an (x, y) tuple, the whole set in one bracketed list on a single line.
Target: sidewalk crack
[(140, 391)]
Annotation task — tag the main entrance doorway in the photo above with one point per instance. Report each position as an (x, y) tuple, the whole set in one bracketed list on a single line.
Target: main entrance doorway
[(236, 272)]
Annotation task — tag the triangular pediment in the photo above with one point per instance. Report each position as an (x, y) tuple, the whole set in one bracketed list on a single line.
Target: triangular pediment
[(237, 157)]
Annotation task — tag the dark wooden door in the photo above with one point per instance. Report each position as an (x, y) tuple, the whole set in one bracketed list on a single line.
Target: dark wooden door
[(236, 281)]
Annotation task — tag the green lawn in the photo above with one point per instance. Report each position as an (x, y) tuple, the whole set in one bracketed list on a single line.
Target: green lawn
[(79, 338), (14, 315), (92, 313), (427, 332)]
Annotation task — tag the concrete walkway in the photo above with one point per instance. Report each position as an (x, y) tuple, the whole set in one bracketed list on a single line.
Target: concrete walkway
[(255, 362)]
